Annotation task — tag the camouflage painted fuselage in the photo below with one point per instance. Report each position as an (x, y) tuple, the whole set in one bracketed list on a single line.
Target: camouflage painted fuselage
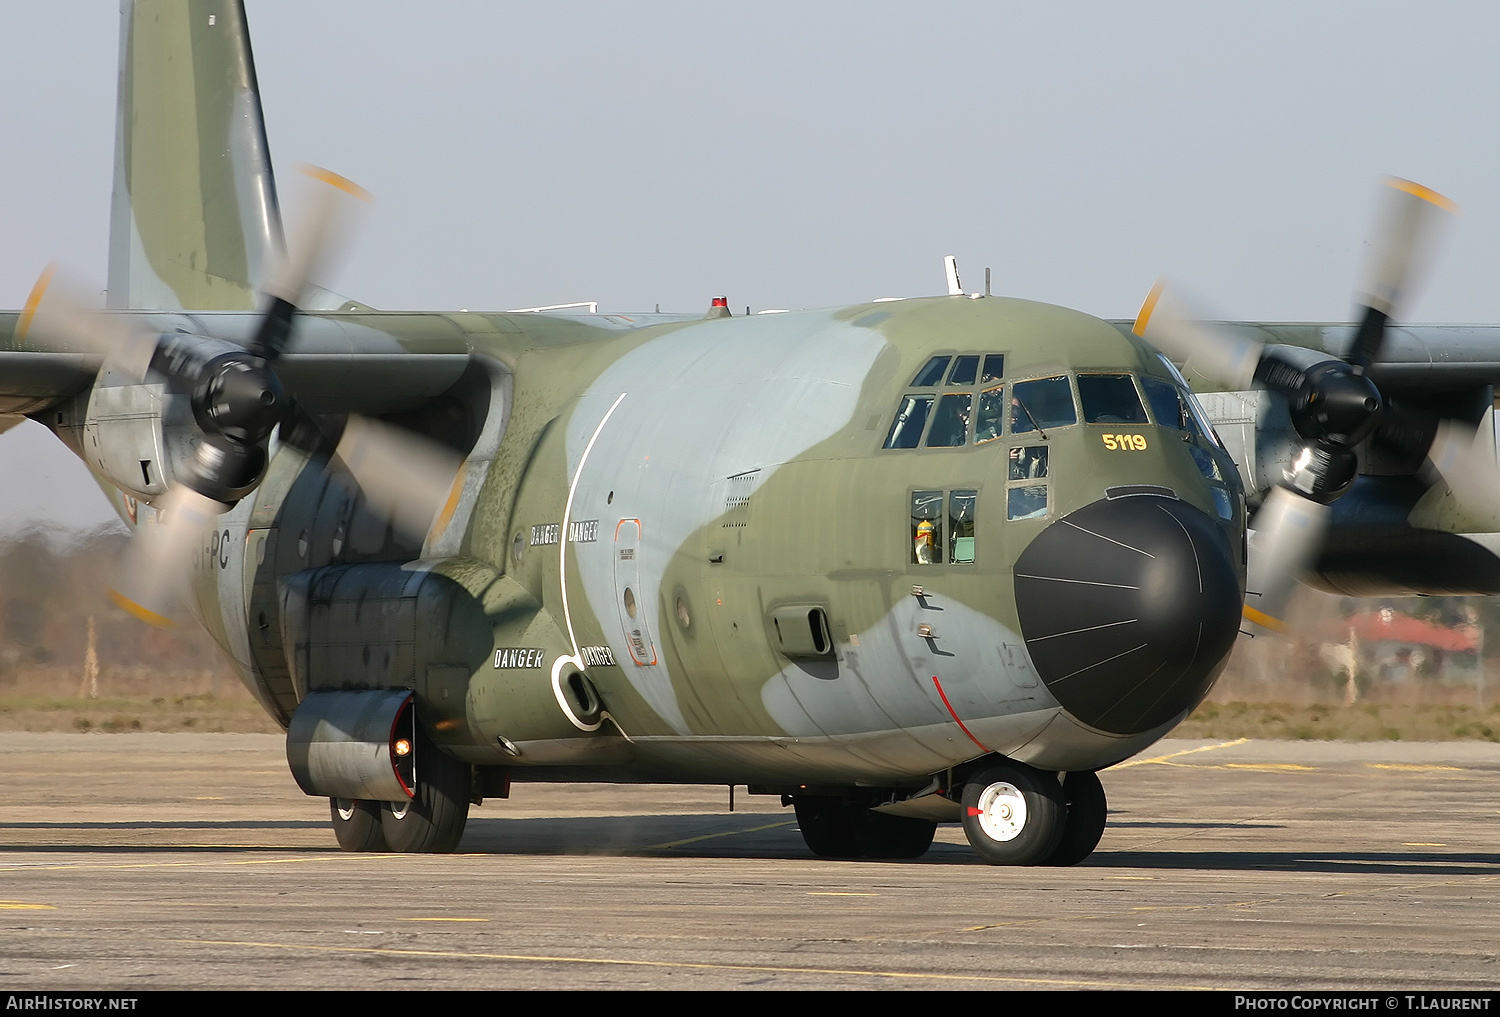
[(653, 507)]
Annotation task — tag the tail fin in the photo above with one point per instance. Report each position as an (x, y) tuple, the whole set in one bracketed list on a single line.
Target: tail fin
[(194, 219)]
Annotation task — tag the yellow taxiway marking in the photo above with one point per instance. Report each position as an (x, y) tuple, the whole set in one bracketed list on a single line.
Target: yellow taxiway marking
[(710, 836), (928, 976), (20, 905), (1419, 843), (1184, 752), (1411, 767), (839, 893), (1268, 767)]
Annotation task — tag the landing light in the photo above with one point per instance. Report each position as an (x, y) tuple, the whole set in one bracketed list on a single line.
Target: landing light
[(402, 746)]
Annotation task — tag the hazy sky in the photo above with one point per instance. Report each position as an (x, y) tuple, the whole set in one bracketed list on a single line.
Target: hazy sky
[(796, 154)]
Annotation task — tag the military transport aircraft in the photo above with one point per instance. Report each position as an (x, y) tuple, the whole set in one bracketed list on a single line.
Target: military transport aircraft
[(910, 561)]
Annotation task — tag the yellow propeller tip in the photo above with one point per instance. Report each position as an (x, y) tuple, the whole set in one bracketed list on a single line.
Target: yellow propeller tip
[(333, 179), (451, 505), (1427, 194), (1144, 318), (145, 614), (33, 301), (1264, 620)]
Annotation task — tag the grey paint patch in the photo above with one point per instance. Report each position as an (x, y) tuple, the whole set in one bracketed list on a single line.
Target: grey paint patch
[(885, 685), (702, 404)]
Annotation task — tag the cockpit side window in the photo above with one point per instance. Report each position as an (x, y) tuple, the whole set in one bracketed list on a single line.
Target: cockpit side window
[(961, 506), (1166, 404), (928, 519), (947, 418), (964, 369), (1044, 403), (906, 429), (991, 416), (1028, 462), (950, 427), (927, 527), (1110, 399), (1174, 406), (932, 374)]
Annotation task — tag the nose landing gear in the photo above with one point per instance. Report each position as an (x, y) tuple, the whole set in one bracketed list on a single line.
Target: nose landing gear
[(1017, 815), (1013, 814)]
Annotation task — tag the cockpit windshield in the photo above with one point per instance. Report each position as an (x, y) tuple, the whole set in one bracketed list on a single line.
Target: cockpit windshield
[(1110, 399), (1041, 404)]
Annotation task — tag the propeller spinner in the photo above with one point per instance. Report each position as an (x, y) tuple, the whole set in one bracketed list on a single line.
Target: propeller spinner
[(1333, 403)]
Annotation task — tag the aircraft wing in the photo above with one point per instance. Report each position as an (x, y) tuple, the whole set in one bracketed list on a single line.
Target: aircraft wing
[(341, 364), (1415, 358)]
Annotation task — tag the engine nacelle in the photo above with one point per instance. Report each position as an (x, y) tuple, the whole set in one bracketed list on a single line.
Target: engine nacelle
[(142, 436), (138, 436)]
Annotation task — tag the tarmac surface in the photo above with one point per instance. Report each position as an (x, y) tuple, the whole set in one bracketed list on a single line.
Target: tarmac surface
[(138, 862)]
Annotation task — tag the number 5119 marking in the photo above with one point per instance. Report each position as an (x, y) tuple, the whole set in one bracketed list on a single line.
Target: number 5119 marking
[(1125, 442)]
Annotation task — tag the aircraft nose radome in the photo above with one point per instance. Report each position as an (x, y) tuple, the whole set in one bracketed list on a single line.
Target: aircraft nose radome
[(1128, 606)]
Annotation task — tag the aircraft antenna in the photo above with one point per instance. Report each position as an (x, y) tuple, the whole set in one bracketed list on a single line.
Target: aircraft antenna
[(950, 266)]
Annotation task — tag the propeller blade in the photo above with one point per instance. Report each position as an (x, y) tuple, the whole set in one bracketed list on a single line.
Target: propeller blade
[(1289, 531), (154, 572), (1167, 323), (57, 317), (411, 478), (1408, 226), (321, 237)]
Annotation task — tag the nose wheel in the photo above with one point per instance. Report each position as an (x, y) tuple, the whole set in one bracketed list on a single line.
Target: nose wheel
[(1087, 813), (1014, 814)]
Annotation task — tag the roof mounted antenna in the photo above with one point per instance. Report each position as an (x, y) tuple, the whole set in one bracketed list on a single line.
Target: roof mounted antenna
[(950, 266)]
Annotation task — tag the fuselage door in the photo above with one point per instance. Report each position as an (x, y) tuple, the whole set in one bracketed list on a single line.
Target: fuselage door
[(628, 593)]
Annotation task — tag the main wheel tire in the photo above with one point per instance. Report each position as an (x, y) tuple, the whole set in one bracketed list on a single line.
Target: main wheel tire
[(827, 825), (356, 824), (1087, 813), (877, 835), (1013, 814), (433, 821)]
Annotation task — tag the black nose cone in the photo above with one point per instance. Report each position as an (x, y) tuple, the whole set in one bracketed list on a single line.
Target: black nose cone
[(1128, 606)]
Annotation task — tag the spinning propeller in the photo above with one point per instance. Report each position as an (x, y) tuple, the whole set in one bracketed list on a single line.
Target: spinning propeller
[(1333, 403), (237, 401)]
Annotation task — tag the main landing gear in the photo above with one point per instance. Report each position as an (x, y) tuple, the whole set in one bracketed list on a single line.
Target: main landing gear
[(1015, 814), (838, 828), (432, 822)]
